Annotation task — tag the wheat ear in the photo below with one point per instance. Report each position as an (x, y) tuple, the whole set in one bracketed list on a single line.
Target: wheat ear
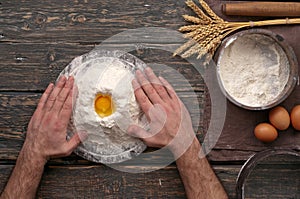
[(208, 30)]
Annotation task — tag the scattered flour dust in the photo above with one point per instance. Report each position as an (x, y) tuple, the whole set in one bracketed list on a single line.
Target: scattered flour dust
[(253, 69)]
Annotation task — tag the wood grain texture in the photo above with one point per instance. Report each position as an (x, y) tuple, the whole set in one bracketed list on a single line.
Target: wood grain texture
[(30, 67), (83, 22), (39, 38), (100, 181)]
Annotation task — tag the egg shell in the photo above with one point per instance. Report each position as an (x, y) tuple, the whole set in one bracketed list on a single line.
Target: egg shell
[(279, 118), (265, 132), (295, 117)]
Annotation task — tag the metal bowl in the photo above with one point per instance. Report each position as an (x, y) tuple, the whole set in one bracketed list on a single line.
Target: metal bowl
[(284, 50), (258, 162)]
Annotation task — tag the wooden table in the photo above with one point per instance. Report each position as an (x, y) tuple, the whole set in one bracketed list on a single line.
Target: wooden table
[(39, 38)]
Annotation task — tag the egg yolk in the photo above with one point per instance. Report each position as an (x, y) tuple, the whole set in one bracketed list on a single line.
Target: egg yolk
[(104, 105)]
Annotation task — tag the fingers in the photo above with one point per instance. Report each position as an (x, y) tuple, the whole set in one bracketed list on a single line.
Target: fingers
[(58, 87), (36, 118), (83, 135), (141, 97), (74, 142), (156, 88), (63, 96), (169, 88), (152, 90), (156, 83), (137, 131), (158, 119), (148, 88), (66, 108), (45, 96), (58, 102)]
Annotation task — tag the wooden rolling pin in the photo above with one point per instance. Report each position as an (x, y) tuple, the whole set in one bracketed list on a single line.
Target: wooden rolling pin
[(283, 9)]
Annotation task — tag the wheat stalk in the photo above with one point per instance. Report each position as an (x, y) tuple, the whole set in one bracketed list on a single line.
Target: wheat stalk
[(208, 30)]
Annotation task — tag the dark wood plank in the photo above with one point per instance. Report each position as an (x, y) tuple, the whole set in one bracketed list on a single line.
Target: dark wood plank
[(83, 22), (100, 181), (91, 21), (97, 181), (30, 67)]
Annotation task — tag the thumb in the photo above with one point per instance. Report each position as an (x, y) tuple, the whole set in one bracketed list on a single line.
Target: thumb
[(137, 131), (76, 139), (83, 135)]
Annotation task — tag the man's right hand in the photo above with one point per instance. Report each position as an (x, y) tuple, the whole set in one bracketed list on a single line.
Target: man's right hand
[(170, 122)]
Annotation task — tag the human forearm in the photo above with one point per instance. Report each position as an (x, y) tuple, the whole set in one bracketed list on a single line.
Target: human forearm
[(160, 103), (26, 175), (45, 139), (198, 177)]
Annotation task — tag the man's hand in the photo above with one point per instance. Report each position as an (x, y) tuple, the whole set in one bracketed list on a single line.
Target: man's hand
[(45, 138), (170, 122), (171, 126), (47, 129)]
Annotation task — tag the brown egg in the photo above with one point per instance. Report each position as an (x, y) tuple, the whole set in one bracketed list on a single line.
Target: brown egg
[(265, 132), (295, 117), (279, 118)]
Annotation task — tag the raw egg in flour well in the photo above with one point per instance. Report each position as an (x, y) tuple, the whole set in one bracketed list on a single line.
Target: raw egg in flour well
[(104, 105)]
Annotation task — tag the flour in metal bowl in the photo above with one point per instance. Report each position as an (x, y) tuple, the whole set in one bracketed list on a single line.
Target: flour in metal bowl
[(254, 70)]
